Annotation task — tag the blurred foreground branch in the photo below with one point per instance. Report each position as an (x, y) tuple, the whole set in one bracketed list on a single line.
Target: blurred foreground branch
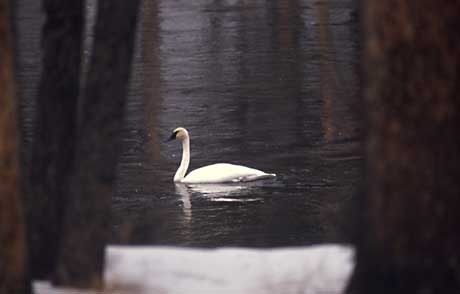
[(87, 220), (13, 275), (54, 133), (412, 209), (76, 142)]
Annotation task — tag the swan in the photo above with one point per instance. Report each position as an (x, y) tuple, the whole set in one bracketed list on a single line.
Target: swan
[(215, 173)]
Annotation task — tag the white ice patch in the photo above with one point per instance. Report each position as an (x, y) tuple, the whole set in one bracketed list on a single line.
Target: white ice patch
[(323, 269)]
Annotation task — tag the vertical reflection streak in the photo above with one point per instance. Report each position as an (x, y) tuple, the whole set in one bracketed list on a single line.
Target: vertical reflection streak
[(150, 47), (328, 70)]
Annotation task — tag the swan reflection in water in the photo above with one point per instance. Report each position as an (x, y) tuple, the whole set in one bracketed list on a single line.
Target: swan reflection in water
[(212, 192), (209, 192), (181, 189)]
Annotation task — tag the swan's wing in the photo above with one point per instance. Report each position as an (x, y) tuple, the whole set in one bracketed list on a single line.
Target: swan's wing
[(251, 178), (224, 172)]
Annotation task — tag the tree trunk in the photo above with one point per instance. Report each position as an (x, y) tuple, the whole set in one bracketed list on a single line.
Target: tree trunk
[(54, 134), (13, 273), (411, 237), (92, 185)]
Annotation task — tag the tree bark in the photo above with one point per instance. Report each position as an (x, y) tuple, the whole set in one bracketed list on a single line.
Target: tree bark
[(87, 220), (13, 270), (54, 135), (411, 241)]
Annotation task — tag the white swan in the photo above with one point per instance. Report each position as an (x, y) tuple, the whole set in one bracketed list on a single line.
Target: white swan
[(215, 173)]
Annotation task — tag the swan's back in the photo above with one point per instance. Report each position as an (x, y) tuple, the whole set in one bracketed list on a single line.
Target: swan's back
[(225, 172)]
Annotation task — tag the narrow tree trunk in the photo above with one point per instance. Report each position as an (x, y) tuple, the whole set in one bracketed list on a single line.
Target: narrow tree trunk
[(102, 108), (54, 134), (411, 242), (13, 274)]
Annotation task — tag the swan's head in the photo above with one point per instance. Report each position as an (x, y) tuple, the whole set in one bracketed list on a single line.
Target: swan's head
[(179, 133)]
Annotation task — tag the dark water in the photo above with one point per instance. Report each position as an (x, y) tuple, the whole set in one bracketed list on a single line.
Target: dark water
[(272, 85)]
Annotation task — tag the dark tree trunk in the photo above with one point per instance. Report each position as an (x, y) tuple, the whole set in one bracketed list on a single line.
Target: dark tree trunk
[(13, 273), (86, 227), (411, 242), (54, 134)]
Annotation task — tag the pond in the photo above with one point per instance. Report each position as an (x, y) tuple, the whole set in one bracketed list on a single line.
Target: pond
[(272, 85)]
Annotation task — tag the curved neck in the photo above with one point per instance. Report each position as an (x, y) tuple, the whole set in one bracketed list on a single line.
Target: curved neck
[(180, 173)]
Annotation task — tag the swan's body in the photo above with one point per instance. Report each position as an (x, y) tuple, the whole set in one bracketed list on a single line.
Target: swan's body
[(215, 173), (224, 172)]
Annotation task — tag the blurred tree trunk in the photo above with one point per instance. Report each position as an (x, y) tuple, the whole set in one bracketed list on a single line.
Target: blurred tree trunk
[(54, 134), (13, 273), (411, 241), (86, 227)]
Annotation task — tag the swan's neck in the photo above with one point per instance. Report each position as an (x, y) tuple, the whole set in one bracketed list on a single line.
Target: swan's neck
[(180, 173)]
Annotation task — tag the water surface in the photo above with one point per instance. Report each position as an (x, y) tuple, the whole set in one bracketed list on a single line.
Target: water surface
[(272, 85)]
